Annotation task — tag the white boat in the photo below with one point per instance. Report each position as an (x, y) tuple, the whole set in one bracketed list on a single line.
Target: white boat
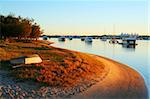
[(62, 38), (129, 41), (88, 39)]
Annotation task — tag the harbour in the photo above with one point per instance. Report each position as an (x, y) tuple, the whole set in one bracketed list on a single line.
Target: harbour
[(136, 57)]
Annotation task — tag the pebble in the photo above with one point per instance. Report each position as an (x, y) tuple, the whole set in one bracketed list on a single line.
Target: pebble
[(0, 93), (1, 87), (23, 94), (14, 91), (9, 87), (11, 95), (33, 92), (21, 97)]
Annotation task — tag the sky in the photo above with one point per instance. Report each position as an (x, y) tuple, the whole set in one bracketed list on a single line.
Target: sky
[(83, 17)]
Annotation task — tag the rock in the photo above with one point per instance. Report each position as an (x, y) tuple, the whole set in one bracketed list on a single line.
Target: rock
[(33, 92), (11, 95), (16, 93), (43, 94), (0, 93), (17, 87), (9, 87), (29, 97), (32, 95), (1, 87), (13, 91), (21, 97), (23, 94)]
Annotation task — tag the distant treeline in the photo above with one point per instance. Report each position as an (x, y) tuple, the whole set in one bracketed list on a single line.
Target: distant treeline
[(144, 37), (18, 27)]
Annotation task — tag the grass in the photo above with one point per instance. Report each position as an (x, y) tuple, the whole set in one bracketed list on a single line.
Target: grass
[(60, 67)]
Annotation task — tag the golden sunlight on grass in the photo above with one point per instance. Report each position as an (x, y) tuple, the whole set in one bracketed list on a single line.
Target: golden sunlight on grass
[(60, 67)]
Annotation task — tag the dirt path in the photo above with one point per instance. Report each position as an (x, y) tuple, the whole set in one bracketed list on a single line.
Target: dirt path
[(121, 82)]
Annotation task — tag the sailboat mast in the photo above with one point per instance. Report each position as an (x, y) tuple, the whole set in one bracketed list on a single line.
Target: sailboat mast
[(104, 31), (114, 29)]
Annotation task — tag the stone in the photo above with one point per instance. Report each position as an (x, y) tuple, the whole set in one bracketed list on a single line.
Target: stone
[(23, 94), (1, 93), (33, 92)]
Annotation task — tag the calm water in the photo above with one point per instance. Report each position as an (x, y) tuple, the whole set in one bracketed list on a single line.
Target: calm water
[(137, 58)]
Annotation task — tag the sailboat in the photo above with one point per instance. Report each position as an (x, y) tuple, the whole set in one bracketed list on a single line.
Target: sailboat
[(104, 37), (113, 40)]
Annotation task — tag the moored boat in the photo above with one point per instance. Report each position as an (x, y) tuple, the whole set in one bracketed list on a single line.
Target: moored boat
[(45, 37), (104, 38), (70, 37), (129, 41), (113, 41), (88, 39), (82, 38), (62, 38)]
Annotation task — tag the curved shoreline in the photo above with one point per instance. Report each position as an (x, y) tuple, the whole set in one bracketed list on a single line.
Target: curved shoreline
[(122, 82), (118, 81)]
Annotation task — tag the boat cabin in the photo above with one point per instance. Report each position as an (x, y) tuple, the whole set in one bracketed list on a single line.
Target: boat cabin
[(129, 41)]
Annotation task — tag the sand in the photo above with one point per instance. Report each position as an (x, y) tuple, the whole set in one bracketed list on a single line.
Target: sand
[(121, 82)]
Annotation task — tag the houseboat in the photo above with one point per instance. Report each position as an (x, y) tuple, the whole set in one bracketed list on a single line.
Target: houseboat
[(129, 41)]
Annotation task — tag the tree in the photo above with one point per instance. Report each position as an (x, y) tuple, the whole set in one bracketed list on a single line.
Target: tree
[(11, 26), (36, 32)]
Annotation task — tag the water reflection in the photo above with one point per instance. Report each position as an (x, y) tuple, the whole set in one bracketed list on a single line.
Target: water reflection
[(134, 56), (61, 41), (129, 49), (129, 46), (88, 43)]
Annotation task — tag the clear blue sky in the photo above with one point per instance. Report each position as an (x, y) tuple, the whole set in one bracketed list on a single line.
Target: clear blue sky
[(80, 17)]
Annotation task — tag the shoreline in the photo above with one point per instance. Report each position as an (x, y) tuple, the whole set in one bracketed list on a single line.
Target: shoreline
[(110, 78), (127, 83)]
